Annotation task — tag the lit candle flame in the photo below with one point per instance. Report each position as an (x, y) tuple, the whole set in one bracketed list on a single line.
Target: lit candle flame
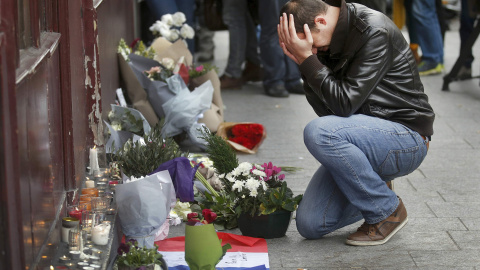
[(51, 267)]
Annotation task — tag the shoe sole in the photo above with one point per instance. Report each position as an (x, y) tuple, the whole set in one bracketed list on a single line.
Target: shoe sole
[(437, 70), (429, 72), (378, 242)]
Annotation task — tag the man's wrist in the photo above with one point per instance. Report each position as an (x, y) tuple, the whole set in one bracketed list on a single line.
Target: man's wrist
[(310, 66), (303, 58)]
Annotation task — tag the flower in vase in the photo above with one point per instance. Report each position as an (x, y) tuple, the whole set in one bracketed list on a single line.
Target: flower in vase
[(207, 216)]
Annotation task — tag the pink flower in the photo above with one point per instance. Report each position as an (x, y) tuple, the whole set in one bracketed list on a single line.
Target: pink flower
[(199, 68)]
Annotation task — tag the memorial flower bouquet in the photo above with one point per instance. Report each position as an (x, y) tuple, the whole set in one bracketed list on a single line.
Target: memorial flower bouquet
[(126, 121), (247, 188), (173, 27), (243, 137)]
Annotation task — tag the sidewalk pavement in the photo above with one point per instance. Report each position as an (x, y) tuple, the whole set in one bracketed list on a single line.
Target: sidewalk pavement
[(441, 197)]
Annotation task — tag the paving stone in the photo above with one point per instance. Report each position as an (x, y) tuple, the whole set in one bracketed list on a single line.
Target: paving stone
[(453, 259), (435, 225), (455, 209), (473, 224), (466, 239)]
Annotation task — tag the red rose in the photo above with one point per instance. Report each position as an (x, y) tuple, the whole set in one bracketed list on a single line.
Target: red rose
[(257, 129), (209, 215), (240, 130), (191, 216)]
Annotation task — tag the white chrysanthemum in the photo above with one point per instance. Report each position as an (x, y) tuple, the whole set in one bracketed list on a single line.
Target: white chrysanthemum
[(235, 172), (245, 168), (264, 186), (259, 173), (168, 63), (230, 177), (187, 32), (252, 184), (253, 193), (243, 196), (221, 175), (167, 19), (238, 185), (178, 18)]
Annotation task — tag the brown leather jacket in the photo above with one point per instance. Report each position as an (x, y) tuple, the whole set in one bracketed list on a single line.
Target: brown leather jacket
[(369, 69)]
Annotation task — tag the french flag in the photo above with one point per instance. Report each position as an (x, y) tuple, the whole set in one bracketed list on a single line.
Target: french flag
[(246, 252)]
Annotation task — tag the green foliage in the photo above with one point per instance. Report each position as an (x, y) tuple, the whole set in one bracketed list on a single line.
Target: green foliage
[(219, 152), (139, 159), (132, 255), (223, 206), (279, 198)]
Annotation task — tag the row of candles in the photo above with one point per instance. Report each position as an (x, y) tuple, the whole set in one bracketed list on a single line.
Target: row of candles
[(86, 224)]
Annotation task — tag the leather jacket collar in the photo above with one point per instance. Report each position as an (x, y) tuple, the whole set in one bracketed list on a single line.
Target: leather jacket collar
[(341, 31)]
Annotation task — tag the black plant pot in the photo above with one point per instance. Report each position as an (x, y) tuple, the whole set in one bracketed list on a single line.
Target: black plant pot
[(269, 226)]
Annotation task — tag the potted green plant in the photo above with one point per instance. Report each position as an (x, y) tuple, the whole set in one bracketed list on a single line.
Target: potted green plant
[(254, 197), (132, 257)]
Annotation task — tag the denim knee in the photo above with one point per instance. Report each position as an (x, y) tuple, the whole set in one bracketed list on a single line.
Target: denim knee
[(310, 227)]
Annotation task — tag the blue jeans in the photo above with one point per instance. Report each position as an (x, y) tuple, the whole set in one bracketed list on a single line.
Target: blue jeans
[(242, 33), (277, 67), (358, 154), (162, 7), (424, 29)]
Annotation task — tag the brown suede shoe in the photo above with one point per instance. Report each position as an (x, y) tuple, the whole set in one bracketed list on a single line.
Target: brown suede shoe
[(390, 185), (227, 82), (252, 72), (379, 233)]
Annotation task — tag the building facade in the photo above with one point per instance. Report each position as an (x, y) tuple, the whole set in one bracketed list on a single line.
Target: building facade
[(58, 73)]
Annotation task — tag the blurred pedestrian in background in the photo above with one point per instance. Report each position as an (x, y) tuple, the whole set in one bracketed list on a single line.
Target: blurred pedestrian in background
[(281, 74), (243, 46)]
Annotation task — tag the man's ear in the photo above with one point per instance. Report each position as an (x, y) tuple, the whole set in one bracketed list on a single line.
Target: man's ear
[(320, 21)]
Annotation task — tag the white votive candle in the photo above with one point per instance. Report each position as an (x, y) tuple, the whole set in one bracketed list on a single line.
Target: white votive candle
[(93, 160), (89, 184), (100, 234)]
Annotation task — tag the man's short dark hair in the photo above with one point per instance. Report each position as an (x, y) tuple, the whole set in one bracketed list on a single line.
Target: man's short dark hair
[(304, 12)]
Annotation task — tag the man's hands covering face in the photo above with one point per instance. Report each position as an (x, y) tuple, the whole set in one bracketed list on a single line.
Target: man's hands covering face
[(295, 47)]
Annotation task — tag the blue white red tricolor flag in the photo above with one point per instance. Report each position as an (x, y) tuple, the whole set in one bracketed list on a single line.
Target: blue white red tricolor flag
[(246, 253)]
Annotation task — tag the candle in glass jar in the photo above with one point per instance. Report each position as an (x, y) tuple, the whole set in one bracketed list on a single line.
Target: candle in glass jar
[(100, 234), (92, 191), (75, 213)]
